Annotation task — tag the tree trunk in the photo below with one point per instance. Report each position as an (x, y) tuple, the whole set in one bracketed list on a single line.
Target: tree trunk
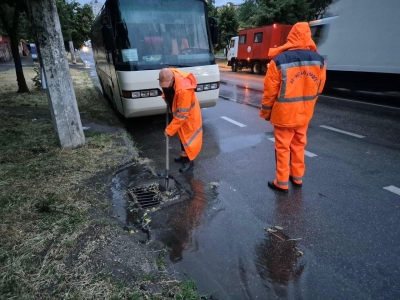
[(22, 86), (12, 30), (53, 59)]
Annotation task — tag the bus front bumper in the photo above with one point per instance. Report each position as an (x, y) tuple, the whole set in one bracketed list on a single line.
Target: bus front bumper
[(149, 106)]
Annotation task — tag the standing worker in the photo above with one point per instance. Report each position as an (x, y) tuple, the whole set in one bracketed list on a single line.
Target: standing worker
[(179, 93), (295, 77)]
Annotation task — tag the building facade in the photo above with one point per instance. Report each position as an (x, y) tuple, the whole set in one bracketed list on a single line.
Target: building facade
[(96, 7)]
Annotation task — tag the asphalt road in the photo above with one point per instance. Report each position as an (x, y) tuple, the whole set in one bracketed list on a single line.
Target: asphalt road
[(344, 219)]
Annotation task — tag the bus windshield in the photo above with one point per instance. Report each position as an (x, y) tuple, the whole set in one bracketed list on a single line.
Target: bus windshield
[(152, 34)]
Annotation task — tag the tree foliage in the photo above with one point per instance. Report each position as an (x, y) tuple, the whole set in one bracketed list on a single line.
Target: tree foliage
[(246, 13), (318, 8), (281, 11), (212, 10), (76, 21), (228, 24), (254, 13)]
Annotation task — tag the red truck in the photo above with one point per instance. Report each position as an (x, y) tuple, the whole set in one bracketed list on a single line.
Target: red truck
[(250, 48)]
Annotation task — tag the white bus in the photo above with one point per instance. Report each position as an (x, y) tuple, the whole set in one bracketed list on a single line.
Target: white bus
[(133, 39), (360, 41)]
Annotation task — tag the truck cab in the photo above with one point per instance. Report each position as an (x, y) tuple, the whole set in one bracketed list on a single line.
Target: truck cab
[(233, 50)]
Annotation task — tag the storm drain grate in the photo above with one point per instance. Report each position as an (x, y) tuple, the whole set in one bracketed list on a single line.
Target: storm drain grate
[(144, 197)]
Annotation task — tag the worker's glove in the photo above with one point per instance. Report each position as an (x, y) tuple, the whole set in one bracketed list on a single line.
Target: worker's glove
[(166, 134), (267, 119)]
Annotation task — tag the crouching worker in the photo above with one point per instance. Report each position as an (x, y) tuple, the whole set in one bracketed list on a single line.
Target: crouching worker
[(295, 77), (179, 93)]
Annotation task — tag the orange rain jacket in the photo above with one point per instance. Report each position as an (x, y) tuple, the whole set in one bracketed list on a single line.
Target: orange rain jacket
[(186, 114), (296, 76)]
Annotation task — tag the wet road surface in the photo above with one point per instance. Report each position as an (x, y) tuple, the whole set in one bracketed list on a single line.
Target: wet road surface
[(344, 220)]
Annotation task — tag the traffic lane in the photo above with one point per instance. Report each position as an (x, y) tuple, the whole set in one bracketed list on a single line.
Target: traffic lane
[(246, 80), (243, 180), (378, 121), (233, 212), (219, 253), (361, 169), (353, 222), (242, 78)]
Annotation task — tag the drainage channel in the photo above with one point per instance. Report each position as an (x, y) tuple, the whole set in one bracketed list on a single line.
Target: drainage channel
[(136, 196), (145, 197)]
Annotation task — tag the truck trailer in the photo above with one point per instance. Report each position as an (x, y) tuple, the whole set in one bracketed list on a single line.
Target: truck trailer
[(250, 48), (360, 42)]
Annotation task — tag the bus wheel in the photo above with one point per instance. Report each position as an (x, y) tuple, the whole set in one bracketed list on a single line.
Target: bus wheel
[(234, 66), (256, 68)]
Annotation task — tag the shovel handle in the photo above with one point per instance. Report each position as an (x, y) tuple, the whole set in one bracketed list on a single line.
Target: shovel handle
[(167, 148)]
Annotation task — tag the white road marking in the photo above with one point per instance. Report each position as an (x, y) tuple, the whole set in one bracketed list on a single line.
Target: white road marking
[(342, 131), (233, 121), (307, 153), (393, 189)]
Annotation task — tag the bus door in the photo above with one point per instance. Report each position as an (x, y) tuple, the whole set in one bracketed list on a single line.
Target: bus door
[(117, 29)]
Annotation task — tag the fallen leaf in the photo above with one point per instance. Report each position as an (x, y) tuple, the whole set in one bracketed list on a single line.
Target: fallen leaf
[(132, 232)]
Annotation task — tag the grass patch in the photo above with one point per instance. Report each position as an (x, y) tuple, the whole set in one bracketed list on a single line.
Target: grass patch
[(49, 239), (44, 201), (44, 207), (90, 102)]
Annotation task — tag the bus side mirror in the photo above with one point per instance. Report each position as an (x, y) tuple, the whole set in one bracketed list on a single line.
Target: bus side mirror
[(108, 37), (214, 30)]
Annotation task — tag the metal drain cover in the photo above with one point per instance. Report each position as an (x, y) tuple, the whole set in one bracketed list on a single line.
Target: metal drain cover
[(145, 197)]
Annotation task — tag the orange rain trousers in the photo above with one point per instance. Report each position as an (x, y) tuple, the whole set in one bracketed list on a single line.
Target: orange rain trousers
[(289, 152)]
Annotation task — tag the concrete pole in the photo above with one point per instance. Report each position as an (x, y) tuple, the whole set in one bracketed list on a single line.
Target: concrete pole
[(53, 59), (72, 51)]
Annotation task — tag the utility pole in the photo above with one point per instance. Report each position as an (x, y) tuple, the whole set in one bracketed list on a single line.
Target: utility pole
[(53, 59), (71, 44)]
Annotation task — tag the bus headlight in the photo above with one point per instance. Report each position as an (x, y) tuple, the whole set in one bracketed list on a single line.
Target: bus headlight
[(153, 93), (207, 86), (141, 94), (135, 94)]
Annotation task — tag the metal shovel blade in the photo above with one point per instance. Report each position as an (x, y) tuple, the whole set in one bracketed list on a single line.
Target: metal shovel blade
[(166, 184)]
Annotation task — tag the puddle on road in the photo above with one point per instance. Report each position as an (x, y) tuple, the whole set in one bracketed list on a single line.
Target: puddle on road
[(243, 94), (278, 262)]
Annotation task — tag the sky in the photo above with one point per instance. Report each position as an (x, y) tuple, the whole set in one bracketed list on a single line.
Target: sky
[(217, 2)]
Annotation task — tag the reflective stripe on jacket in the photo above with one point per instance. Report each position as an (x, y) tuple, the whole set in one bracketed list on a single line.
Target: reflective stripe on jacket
[(295, 78), (186, 114)]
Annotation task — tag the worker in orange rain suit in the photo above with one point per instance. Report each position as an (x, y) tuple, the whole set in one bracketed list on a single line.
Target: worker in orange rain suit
[(295, 77), (179, 93)]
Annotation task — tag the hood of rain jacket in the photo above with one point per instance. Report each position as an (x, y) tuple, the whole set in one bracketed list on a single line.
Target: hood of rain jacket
[(299, 38)]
